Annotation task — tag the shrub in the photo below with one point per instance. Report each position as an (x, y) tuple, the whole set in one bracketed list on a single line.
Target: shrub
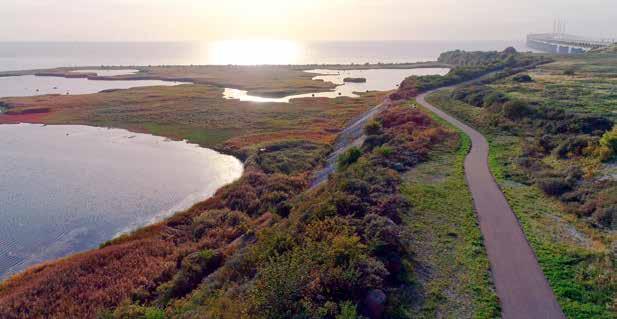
[(154, 313), (373, 128), (288, 157), (349, 157), (573, 146), (553, 186), (609, 141), (607, 217), (194, 268), (515, 110), (522, 78), (493, 98), (589, 125), (348, 311), (384, 151)]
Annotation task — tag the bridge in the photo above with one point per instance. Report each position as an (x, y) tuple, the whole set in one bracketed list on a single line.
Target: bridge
[(562, 43)]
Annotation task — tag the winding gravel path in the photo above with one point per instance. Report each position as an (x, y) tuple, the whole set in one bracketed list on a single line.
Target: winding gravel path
[(521, 286)]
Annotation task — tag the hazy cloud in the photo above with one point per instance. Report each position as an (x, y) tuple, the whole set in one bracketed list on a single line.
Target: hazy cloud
[(151, 20)]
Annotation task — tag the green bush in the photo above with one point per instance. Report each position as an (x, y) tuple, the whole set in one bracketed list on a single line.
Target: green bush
[(609, 140), (154, 313), (349, 157), (515, 110), (348, 311)]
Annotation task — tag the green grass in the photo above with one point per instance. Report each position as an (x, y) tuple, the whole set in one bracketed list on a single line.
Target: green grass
[(592, 88), (573, 255), (455, 281), (202, 136), (576, 274)]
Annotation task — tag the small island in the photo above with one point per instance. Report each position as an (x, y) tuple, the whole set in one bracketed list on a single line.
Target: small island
[(354, 80)]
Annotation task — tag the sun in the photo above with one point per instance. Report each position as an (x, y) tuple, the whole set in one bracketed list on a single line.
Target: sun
[(253, 52)]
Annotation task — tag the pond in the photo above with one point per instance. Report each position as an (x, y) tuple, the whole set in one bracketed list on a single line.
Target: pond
[(65, 189), (376, 80)]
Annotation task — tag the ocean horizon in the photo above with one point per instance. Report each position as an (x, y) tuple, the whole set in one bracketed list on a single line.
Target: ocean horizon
[(40, 55)]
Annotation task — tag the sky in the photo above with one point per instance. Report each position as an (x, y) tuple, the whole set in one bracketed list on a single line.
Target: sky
[(306, 20)]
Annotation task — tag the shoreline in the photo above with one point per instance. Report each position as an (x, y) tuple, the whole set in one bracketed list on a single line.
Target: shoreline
[(186, 202)]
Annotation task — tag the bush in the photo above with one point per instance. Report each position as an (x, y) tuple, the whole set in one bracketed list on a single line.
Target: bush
[(573, 146), (130, 311), (553, 186), (609, 141), (522, 78), (373, 128), (515, 110), (194, 268), (607, 217), (494, 98), (348, 311), (349, 157)]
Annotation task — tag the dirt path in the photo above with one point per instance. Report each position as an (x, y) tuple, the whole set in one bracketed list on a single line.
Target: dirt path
[(352, 135), (521, 286)]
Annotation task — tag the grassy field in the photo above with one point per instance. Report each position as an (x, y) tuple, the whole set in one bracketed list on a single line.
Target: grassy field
[(577, 258), (452, 267), (586, 84)]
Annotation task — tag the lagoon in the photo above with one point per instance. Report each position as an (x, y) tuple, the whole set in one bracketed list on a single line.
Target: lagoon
[(376, 80), (68, 188)]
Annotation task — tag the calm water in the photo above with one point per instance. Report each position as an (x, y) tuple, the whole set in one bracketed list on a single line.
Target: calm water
[(32, 55), (376, 80), (65, 189), (107, 72), (30, 85)]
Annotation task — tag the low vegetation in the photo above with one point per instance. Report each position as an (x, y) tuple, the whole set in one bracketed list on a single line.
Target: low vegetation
[(333, 251), (470, 65), (266, 246), (553, 163)]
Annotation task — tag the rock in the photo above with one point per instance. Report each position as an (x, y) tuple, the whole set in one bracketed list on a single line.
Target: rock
[(374, 304)]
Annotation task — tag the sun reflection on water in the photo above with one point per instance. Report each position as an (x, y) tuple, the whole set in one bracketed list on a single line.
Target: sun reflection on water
[(252, 52)]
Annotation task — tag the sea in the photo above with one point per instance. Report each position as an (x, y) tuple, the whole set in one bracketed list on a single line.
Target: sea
[(38, 55)]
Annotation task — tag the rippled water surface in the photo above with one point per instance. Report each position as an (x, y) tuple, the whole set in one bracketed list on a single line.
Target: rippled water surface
[(65, 189), (376, 80)]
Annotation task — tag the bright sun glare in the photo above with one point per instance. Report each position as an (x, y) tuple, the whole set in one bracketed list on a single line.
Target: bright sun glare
[(250, 52)]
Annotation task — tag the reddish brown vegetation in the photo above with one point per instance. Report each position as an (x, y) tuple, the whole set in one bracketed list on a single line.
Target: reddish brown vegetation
[(408, 89), (138, 265)]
